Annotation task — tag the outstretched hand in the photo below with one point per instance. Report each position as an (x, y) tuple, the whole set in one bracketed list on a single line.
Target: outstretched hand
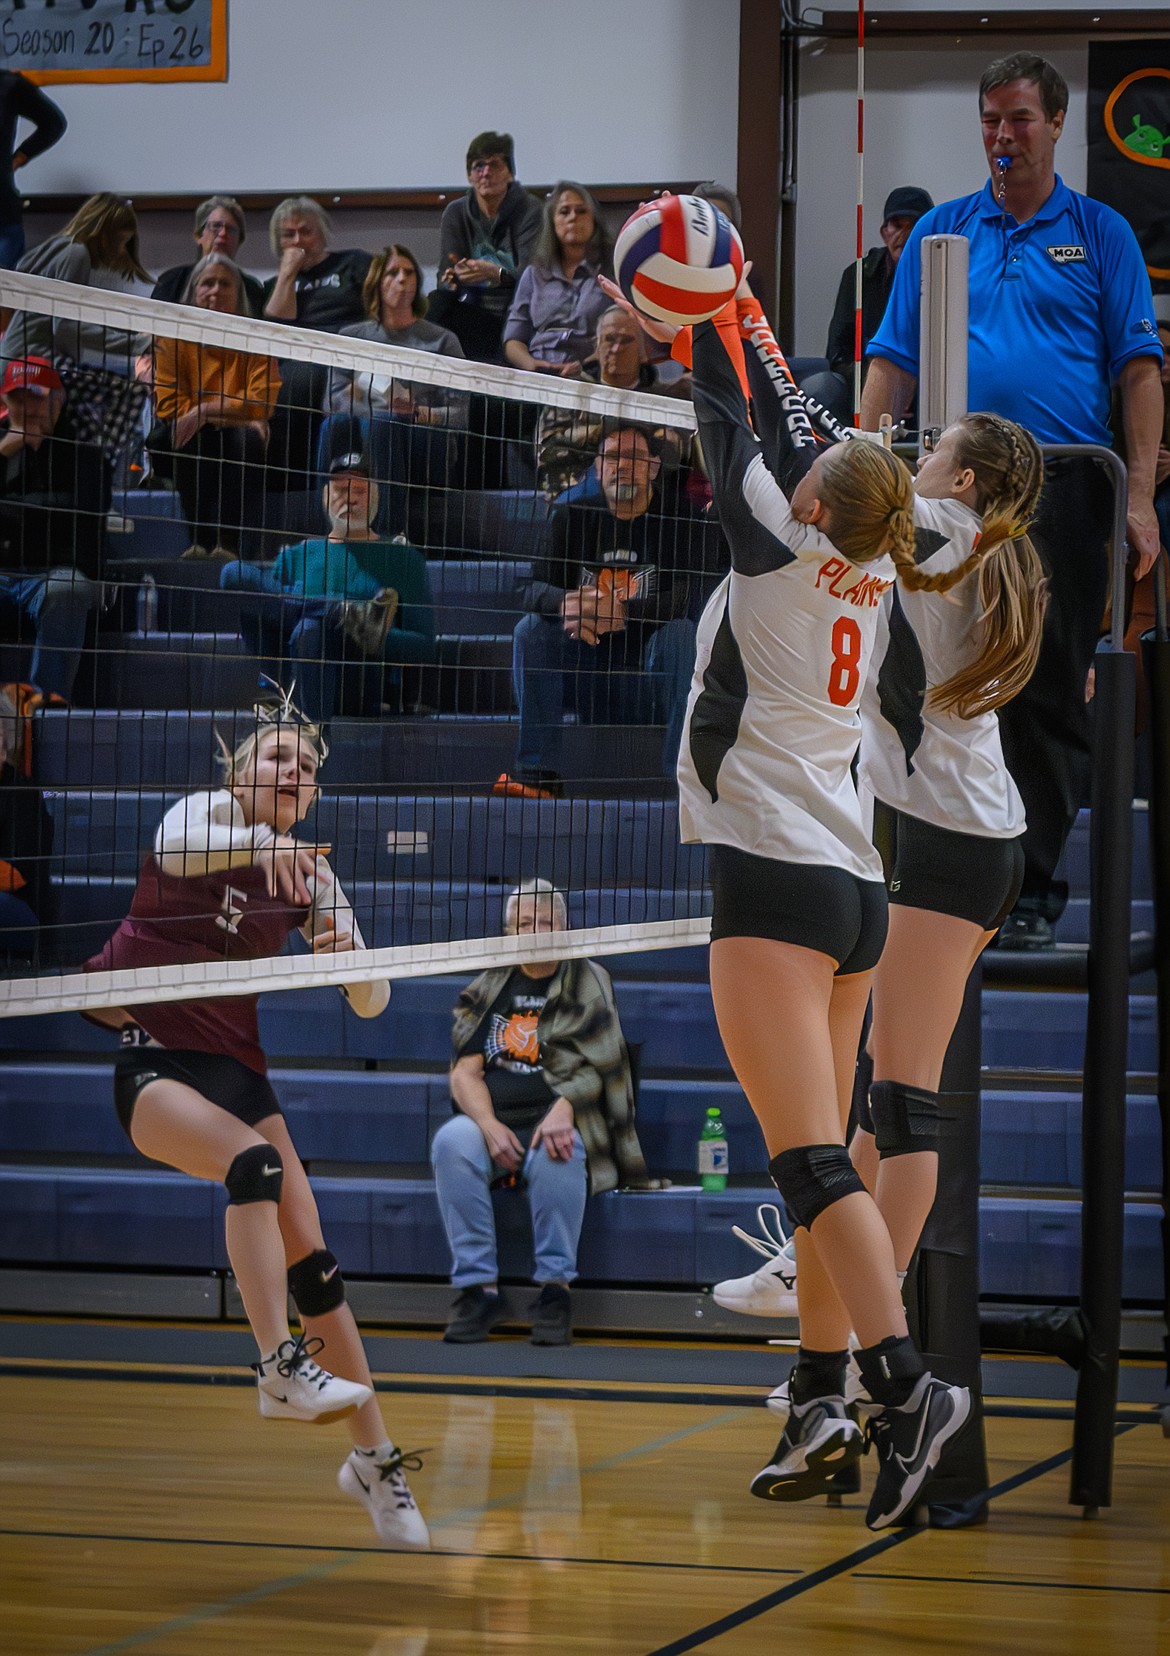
[(664, 332)]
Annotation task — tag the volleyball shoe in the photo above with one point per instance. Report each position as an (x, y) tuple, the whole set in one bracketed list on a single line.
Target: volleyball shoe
[(293, 1387), (909, 1440), (375, 1478), (769, 1291), (820, 1439)]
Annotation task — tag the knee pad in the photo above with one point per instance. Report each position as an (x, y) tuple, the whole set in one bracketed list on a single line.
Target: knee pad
[(316, 1284), (905, 1119), (813, 1177), (256, 1175)]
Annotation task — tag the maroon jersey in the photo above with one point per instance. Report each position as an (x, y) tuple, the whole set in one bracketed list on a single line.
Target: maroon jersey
[(222, 916)]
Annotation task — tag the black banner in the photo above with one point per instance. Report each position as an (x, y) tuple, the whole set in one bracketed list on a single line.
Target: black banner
[(1129, 142)]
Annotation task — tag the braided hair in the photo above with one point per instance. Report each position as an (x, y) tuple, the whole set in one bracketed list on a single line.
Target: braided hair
[(1013, 588)]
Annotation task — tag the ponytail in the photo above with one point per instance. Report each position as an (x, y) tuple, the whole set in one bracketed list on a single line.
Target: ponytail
[(1013, 588), (868, 494)]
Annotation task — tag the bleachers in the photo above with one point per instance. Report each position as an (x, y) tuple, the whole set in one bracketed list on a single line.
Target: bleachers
[(408, 813)]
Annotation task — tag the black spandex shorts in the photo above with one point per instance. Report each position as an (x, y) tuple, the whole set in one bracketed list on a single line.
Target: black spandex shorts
[(804, 903), (967, 875), (224, 1081)]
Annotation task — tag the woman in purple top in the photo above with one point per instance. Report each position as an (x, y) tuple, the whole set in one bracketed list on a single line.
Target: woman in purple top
[(558, 303)]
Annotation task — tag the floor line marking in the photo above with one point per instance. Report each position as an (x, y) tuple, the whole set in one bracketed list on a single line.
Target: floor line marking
[(1135, 1414), (846, 1565), (211, 1612), (380, 1552), (1008, 1581), (283, 1584)]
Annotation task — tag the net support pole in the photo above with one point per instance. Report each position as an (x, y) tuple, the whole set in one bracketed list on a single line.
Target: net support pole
[(942, 1288), (1156, 653), (1106, 1041), (942, 1294), (942, 349)]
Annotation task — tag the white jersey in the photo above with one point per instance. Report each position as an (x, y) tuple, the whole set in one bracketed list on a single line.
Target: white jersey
[(783, 648), (923, 761)]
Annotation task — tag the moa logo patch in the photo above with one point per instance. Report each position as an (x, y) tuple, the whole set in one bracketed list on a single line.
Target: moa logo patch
[(1073, 254)]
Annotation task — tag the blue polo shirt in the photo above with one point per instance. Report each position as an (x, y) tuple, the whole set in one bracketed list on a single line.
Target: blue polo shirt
[(1058, 305)]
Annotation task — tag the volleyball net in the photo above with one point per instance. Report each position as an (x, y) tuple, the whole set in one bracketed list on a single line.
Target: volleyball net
[(482, 582)]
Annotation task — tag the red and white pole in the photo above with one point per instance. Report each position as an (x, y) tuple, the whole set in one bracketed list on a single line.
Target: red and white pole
[(857, 339)]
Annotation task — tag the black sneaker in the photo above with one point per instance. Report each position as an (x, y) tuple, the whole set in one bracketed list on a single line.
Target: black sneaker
[(909, 1440), (820, 1440), (473, 1316), (1024, 930), (552, 1316)]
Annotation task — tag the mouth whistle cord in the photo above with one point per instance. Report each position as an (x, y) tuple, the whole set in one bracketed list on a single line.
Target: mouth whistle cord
[(1002, 163)]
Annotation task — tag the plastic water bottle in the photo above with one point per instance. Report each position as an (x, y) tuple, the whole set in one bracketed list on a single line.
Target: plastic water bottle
[(713, 1162), (148, 605)]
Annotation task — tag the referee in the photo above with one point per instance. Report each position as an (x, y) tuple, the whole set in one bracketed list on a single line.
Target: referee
[(1060, 313)]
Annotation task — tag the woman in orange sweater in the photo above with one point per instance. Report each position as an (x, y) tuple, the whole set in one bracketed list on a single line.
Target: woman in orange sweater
[(213, 406)]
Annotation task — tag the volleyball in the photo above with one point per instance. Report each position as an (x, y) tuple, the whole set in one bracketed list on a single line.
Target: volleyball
[(678, 259)]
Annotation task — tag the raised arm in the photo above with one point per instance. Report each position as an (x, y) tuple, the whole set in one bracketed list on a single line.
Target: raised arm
[(731, 452), (332, 928), (205, 833)]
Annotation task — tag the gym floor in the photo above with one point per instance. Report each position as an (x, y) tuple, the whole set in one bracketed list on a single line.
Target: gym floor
[(572, 1509)]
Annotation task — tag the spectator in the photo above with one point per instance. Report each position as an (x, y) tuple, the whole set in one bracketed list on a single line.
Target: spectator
[(26, 842), (567, 438), (543, 1099), (485, 241), (607, 625), (214, 404), (904, 207), (97, 248), (220, 227), (312, 288), (54, 496), (20, 100), (408, 428), (350, 610), (553, 319), (1060, 308)]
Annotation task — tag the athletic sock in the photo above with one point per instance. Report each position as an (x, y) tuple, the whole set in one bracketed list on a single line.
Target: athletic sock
[(379, 1454), (818, 1374), (891, 1369)]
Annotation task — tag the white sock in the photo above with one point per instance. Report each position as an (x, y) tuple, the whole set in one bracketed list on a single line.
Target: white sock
[(271, 1357), (379, 1454)]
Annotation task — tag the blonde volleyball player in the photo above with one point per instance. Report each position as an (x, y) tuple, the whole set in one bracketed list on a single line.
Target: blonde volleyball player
[(227, 881), (960, 637), (799, 904)]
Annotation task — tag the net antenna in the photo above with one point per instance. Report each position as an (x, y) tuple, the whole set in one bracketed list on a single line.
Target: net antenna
[(860, 262)]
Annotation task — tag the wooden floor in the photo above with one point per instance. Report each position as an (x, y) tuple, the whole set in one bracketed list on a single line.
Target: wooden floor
[(137, 1514)]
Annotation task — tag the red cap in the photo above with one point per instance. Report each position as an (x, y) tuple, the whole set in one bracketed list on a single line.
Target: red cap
[(32, 373)]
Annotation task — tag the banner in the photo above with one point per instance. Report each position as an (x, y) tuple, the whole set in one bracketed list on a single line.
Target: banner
[(53, 41), (1129, 142)]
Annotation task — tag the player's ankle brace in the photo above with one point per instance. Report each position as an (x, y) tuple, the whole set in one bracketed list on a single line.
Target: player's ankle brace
[(818, 1374), (256, 1175), (891, 1369), (316, 1284), (905, 1119), (813, 1177)]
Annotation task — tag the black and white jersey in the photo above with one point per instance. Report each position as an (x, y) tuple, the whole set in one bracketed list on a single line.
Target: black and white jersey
[(782, 653), (923, 761)]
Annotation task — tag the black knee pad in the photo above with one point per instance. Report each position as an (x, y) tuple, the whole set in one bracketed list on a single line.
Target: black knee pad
[(905, 1119), (316, 1284), (812, 1178), (256, 1175)]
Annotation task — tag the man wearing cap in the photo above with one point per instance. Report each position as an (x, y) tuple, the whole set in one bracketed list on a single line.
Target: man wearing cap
[(904, 207), (1060, 316), (54, 496), (353, 599)]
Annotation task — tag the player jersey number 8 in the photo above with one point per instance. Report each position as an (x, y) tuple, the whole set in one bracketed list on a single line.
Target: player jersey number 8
[(845, 671)]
